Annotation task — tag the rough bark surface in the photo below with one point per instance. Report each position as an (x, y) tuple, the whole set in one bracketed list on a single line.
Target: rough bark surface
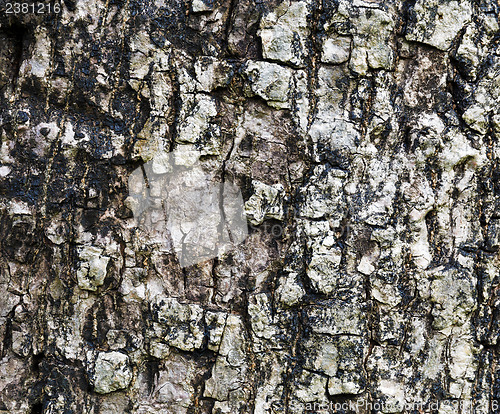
[(364, 136)]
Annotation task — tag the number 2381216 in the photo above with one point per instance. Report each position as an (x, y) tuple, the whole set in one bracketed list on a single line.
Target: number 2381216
[(32, 8)]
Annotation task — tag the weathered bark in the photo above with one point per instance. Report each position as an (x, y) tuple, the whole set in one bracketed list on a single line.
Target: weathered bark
[(363, 136)]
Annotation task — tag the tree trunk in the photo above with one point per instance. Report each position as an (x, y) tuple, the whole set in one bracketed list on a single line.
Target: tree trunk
[(235, 206)]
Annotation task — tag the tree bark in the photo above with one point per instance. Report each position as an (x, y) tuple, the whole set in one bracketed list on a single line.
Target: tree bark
[(360, 140)]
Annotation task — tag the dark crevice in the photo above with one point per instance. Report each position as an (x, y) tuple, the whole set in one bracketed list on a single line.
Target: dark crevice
[(7, 339), (19, 33), (37, 361), (37, 409)]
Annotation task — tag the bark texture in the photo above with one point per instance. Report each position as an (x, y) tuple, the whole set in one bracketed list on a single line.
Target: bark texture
[(364, 136)]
